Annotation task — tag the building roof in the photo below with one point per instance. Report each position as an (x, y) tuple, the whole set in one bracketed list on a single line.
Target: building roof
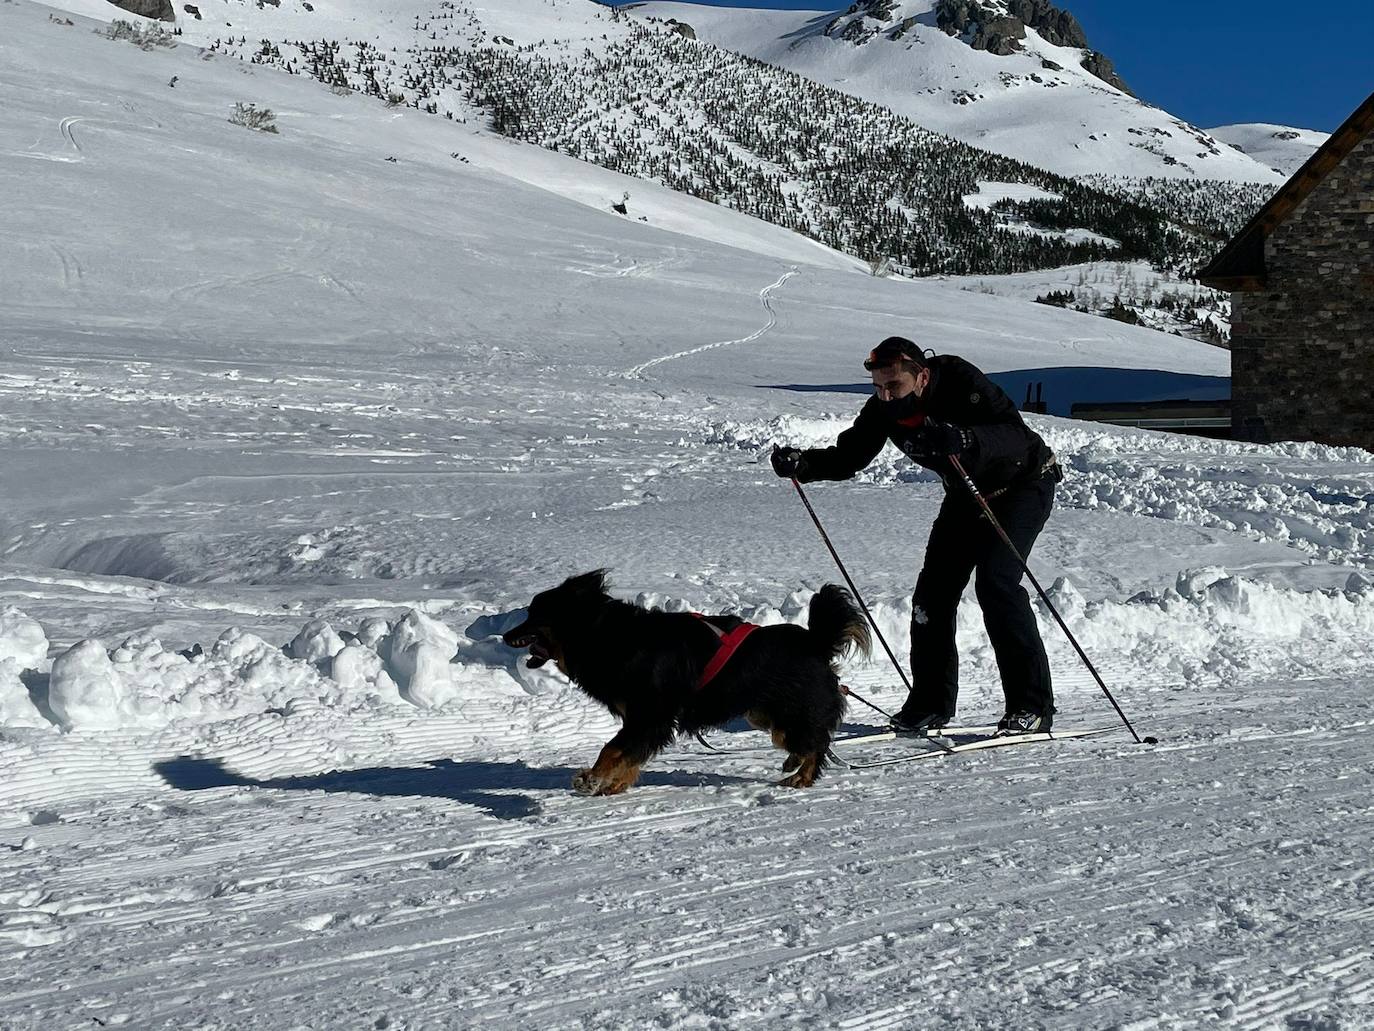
[(1240, 265)]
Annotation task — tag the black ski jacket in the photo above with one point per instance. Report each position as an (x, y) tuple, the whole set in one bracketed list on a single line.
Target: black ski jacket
[(1005, 451)]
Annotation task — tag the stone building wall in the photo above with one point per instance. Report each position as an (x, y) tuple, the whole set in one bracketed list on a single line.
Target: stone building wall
[(1302, 349)]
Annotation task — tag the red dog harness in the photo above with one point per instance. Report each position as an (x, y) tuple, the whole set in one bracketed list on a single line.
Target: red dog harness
[(729, 642)]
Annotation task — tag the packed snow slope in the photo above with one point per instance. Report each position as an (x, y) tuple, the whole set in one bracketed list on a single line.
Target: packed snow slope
[(1039, 104), (290, 431)]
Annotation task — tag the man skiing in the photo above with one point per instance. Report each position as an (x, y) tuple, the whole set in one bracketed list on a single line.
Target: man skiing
[(933, 407)]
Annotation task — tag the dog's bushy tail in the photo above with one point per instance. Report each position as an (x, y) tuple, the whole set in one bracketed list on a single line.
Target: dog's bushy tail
[(836, 624)]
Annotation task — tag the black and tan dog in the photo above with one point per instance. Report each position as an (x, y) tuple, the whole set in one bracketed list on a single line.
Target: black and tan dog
[(647, 666)]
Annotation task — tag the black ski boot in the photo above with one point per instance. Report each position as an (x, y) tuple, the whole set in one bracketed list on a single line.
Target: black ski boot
[(1024, 722), (919, 723)]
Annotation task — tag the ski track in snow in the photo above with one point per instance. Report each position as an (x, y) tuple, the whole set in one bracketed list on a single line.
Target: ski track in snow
[(765, 298), (485, 893), (72, 271), (615, 270), (65, 127)]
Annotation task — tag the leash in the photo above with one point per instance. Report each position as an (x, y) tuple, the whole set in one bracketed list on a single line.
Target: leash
[(845, 689)]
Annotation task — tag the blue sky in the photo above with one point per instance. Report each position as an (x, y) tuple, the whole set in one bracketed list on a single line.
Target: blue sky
[(1214, 62)]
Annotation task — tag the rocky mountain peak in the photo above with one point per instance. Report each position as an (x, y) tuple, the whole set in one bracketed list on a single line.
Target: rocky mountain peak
[(999, 26), (996, 26)]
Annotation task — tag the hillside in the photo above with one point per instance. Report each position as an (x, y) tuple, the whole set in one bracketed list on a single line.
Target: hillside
[(413, 252), (642, 99)]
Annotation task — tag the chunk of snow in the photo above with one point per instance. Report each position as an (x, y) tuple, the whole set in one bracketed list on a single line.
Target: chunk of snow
[(16, 707), (372, 631), (360, 672), (417, 655), (22, 639), (84, 691), (316, 642)]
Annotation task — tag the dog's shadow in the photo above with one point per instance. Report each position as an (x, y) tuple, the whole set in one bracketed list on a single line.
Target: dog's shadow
[(484, 785)]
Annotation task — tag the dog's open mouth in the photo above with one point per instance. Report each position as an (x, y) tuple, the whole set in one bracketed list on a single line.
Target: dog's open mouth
[(539, 654)]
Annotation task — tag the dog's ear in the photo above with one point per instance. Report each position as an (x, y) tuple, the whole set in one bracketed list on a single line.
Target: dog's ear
[(591, 584)]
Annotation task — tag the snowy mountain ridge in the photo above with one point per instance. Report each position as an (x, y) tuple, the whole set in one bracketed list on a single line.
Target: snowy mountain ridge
[(996, 26), (1283, 147), (1039, 95)]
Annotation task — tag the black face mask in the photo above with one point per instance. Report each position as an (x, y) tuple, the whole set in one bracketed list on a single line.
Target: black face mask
[(903, 407)]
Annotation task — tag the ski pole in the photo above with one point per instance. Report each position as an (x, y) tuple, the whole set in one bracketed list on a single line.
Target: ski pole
[(852, 589), (987, 511), (867, 615)]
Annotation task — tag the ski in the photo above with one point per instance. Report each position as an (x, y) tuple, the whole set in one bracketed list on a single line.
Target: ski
[(864, 736), (860, 737), (967, 743)]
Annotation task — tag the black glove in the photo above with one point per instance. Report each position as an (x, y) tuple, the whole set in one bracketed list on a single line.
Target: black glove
[(788, 462), (942, 438)]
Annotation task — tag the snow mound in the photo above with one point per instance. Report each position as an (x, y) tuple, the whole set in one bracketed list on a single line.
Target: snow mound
[(22, 639), (23, 648), (142, 684), (16, 705), (85, 690), (1213, 625)]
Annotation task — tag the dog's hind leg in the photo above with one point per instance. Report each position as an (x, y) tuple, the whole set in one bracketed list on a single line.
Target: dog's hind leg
[(758, 719), (803, 766), (806, 748), (801, 763), (807, 767)]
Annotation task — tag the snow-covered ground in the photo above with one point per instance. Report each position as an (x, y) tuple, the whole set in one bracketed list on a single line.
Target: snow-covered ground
[(989, 193), (289, 432), (1160, 300)]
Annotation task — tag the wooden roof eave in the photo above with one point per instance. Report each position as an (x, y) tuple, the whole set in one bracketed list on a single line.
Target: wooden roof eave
[(1237, 284), (1242, 260), (1240, 265)]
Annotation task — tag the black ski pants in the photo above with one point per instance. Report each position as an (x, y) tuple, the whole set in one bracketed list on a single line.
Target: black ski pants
[(962, 544)]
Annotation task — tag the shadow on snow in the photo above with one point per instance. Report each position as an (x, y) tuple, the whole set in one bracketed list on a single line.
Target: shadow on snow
[(482, 784), (1063, 387)]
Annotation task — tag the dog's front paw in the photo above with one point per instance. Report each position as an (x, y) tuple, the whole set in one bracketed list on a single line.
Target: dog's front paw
[(586, 782), (589, 782)]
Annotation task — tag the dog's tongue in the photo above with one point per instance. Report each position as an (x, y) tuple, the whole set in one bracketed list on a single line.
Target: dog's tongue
[(538, 656)]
